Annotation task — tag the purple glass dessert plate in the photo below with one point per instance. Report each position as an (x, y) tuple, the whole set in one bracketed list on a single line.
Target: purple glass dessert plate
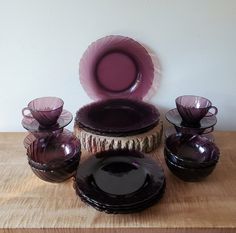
[(119, 180), (116, 67), (33, 125), (174, 118), (117, 117)]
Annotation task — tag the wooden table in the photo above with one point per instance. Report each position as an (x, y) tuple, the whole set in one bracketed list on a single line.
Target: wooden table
[(28, 204)]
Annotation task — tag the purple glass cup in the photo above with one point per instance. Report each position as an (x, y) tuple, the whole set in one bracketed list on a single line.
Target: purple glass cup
[(193, 108), (46, 110)]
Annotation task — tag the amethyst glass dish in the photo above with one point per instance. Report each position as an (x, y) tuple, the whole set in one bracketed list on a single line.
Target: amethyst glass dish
[(33, 125), (190, 157), (121, 210), (193, 108), (46, 110), (119, 181), (189, 174), (117, 117), (191, 150), (171, 130), (53, 158), (116, 67), (205, 125)]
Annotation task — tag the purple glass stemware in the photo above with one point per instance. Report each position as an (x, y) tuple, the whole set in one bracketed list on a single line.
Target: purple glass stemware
[(46, 110), (193, 108)]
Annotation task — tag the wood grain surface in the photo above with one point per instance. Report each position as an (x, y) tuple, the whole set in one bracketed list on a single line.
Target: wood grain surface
[(145, 142), (28, 204)]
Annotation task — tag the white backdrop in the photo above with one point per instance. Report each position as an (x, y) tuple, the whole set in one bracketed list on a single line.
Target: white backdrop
[(41, 43)]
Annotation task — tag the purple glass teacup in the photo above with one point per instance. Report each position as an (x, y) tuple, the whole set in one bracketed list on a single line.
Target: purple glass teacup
[(193, 108), (46, 110)]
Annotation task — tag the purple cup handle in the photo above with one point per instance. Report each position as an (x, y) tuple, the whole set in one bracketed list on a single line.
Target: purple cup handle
[(210, 113), (25, 115), (209, 130)]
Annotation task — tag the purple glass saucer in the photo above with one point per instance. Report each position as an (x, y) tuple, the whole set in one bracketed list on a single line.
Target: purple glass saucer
[(117, 117), (119, 181), (174, 118), (116, 67), (33, 126), (171, 130)]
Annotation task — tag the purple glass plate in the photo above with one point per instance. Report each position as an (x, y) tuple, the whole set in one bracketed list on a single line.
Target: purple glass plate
[(117, 117), (119, 179), (174, 118), (33, 126), (116, 67), (119, 209), (171, 130)]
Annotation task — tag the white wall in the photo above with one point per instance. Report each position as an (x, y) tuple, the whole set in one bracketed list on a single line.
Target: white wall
[(41, 43)]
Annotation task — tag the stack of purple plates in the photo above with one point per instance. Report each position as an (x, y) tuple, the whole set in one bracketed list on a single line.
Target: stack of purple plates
[(117, 72), (120, 181), (117, 117)]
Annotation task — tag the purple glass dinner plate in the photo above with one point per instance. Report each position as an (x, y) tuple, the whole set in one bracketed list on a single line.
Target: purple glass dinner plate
[(119, 180), (121, 210), (174, 118), (117, 117), (116, 67), (33, 125)]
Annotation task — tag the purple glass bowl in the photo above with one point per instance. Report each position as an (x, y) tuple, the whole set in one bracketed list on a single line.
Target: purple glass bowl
[(65, 171), (54, 158), (189, 174), (191, 151), (46, 110), (193, 108)]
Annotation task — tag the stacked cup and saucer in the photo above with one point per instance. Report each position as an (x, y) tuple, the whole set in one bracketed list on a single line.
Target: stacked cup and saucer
[(53, 152), (189, 150)]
